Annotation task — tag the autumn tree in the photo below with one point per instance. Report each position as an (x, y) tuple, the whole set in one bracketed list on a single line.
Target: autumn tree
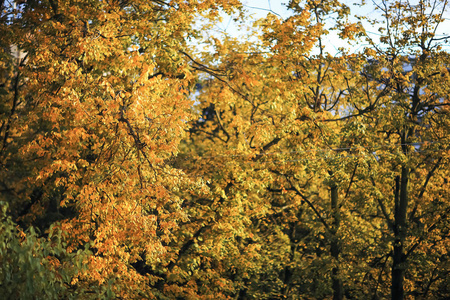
[(406, 84), (265, 144), (330, 137), (134, 167), (90, 112)]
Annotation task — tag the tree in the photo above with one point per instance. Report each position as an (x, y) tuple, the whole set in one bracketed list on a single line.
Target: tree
[(135, 167), (266, 109), (358, 118), (89, 116), (409, 122)]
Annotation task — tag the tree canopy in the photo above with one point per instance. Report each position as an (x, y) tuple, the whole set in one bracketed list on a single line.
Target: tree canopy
[(133, 165)]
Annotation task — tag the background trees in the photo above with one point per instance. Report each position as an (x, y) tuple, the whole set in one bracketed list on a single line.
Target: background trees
[(353, 115), (410, 65), (264, 169)]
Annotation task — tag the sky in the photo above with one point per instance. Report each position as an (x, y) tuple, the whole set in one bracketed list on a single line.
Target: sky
[(260, 8)]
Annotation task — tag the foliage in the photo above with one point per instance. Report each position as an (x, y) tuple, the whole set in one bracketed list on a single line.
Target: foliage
[(33, 267), (91, 112), (295, 173)]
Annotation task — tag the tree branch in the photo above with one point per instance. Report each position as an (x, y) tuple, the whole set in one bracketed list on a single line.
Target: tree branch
[(316, 212)]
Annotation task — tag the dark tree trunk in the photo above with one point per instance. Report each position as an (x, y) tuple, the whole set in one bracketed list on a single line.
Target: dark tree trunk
[(400, 228), (335, 245)]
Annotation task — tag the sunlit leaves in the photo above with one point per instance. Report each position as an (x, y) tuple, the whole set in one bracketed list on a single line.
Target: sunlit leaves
[(96, 109), (262, 168)]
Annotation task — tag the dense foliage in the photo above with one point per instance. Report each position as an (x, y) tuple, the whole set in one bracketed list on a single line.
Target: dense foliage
[(133, 166)]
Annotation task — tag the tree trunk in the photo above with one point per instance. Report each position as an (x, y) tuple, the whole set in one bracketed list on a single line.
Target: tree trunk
[(400, 228), (335, 245)]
